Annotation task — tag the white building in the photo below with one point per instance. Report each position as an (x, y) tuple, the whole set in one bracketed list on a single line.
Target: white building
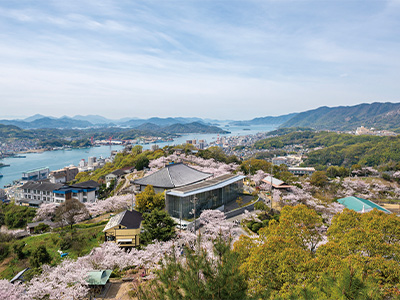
[(35, 193), (301, 171)]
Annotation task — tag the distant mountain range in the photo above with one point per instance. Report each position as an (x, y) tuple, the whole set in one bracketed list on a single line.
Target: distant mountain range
[(379, 115), (39, 121), (265, 120)]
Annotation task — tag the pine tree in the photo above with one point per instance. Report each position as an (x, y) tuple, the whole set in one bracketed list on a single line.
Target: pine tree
[(157, 225), (199, 276)]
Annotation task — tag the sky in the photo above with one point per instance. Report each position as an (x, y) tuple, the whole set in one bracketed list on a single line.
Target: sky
[(222, 59)]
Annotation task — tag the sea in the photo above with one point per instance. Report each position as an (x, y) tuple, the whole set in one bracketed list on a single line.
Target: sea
[(59, 159)]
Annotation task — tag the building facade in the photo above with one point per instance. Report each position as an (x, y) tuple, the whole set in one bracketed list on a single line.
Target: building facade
[(301, 170), (34, 193), (210, 194), (124, 228), (36, 174)]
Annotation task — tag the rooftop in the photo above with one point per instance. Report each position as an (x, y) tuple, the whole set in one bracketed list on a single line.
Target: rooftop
[(42, 186), (36, 170), (361, 205), (90, 184), (205, 186), (98, 277), (127, 218), (173, 176)]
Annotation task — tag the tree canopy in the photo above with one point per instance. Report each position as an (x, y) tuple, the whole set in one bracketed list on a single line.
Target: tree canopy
[(149, 200), (157, 225)]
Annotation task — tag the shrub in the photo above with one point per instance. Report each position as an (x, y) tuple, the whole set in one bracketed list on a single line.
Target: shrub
[(4, 251), (256, 226), (18, 247), (39, 256), (260, 205), (41, 228)]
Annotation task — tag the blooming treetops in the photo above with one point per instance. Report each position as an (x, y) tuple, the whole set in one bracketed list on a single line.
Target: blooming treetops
[(68, 279), (111, 204), (205, 165)]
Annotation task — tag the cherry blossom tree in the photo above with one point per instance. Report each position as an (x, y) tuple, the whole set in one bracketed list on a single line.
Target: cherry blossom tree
[(46, 212), (65, 281), (110, 204), (10, 291), (259, 176)]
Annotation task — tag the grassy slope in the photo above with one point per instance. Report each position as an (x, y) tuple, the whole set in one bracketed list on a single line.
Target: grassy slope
[(93, 237)]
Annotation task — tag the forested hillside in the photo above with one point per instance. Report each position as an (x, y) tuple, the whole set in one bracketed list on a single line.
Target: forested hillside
[(339, 148), (379, 115)]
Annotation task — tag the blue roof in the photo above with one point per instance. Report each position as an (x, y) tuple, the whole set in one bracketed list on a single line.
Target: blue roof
[(360, 204)]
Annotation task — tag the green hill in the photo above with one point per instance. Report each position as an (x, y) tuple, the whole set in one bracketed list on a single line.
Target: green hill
[(378, 115)]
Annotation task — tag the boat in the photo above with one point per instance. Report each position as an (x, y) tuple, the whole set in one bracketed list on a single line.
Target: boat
[(3, 165), (1, 175), (19, 156)]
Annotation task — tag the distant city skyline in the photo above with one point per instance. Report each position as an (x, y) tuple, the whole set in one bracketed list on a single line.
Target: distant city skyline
[(209, 59)]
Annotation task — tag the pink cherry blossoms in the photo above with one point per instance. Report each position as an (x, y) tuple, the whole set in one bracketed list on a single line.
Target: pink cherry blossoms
[(111, 204), (46, 211), (68, 279), (10, 291), (198, 163)]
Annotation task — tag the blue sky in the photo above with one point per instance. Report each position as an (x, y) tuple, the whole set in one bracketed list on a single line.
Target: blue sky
[(205, 58)]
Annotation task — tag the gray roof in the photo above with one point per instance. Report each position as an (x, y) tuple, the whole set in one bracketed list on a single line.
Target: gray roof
[(173, 175), (127, 218), (209, 185), (42, 186), (86, 184), (275, 181), (118, 172)]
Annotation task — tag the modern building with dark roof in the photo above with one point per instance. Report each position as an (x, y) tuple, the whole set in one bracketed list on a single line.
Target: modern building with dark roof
[(210, 194), (124, 228), (172, 176), (361, 205)]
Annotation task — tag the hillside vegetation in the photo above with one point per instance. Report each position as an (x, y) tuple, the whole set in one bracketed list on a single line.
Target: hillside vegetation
[(378, 115), (339, 149)]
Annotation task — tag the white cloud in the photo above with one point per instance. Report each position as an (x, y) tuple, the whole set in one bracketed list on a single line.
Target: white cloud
[(208, 58)]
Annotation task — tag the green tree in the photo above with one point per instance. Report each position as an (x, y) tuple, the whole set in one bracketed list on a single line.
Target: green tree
[(149, 200), (18, 216), (319, 179), (273, 265), (18, 250), (41, 228), (199, 276), (141, 162), (157, 225), (251, 166), (39, 256)]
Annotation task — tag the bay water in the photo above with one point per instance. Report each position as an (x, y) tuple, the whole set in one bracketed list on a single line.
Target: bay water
[(61, 158)]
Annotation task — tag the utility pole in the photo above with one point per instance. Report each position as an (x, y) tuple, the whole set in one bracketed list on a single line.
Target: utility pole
[(270, 192)]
